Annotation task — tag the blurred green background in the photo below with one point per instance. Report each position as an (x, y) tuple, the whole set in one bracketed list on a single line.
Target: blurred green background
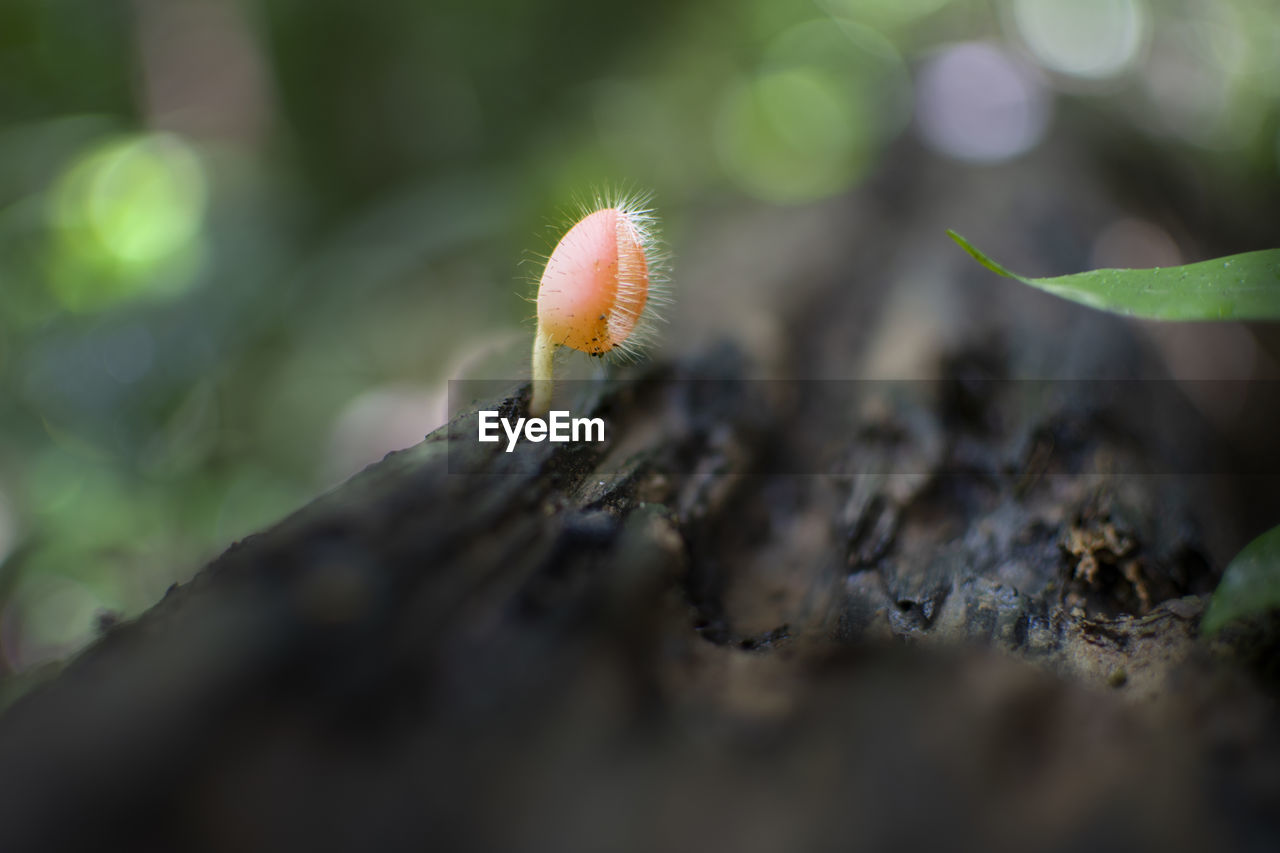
[(243, 244)]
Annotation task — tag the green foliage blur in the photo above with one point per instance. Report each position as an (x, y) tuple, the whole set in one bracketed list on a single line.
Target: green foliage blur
[(243, 244)]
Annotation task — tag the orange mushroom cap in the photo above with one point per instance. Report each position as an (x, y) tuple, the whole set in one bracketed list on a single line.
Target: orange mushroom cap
[(595, 285)]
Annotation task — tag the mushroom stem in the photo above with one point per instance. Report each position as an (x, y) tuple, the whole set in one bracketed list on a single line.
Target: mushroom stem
[(544, 350)]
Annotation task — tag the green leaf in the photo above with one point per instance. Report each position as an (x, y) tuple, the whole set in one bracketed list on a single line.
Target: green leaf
[(1237, 287), (1250, 585)]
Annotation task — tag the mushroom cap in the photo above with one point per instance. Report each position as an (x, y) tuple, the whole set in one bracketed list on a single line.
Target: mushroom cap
[(595, 284)]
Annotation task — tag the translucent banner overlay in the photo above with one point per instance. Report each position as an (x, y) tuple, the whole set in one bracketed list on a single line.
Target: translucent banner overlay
[(855, 427)]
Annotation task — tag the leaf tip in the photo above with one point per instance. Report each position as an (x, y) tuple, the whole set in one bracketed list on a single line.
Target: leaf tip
[(978, 255)]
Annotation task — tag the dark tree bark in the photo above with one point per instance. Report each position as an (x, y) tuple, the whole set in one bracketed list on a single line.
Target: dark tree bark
[(764, 615)]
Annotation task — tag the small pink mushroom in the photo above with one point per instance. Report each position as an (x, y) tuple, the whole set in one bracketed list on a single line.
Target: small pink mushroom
[(595, 289)]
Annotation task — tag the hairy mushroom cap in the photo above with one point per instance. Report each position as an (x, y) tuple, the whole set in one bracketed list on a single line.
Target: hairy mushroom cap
[(596, 283), (598, 290)]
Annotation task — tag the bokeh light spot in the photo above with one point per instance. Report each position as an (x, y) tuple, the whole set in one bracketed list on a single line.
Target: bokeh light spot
[(859, 63), (787, 136), (1196, 76), (383, 419), (127, 218), (973, 102), (806, 123), (1094, 39)]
